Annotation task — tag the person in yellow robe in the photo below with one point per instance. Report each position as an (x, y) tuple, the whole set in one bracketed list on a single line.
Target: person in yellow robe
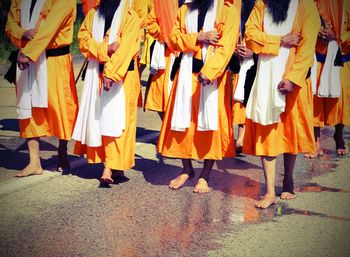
[(106, 125), (43, 31), (161, 19), (331, 104), (197, 123), (285, 127)]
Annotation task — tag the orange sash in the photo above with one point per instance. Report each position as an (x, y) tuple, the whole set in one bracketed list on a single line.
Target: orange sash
[(166, 12)]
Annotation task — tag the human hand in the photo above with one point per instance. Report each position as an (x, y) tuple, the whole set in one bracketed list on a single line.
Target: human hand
[(326, 34), (210, 37), (244, 52), (203, 79), (112, 48), (285, 87), (29, 34), (290, 40), (106, 83), (22, 61)]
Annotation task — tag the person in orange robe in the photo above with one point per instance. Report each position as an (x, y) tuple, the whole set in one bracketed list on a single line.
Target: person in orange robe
[(88, 5), (52, 34), (335, 111), (145, 60), (192, 140), (241, 53), (118, 64), (293, 132), (159, 26)]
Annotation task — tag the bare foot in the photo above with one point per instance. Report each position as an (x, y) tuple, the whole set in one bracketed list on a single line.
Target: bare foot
[(266, 201), (31, 169), (343, 151), (201, 187), (319, 152), (288, 196), (107, 176), (179, 181), (239, 145)]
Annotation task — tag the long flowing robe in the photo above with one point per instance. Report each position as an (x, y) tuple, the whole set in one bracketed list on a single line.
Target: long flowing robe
[(158, 92), (294, 132), (192, 143), (117, 153), (57, 31), (332, 111)]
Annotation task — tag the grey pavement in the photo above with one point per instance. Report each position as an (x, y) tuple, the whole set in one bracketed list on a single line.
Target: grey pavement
[(74, 215)]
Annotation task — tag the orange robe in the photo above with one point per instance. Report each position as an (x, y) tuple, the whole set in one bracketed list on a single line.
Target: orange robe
[(332, 111), (193, 144), (146, 53), (157, 98), (294, 133), (238, 109), (88, 5), (57, 31), (117, 153)]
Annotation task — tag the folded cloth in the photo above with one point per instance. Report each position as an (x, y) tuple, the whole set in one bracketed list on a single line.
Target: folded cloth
[(158, 58), (245, 66), (329, 86)]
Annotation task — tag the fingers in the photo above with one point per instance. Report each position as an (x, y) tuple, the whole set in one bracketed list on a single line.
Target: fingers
[(107, 83), (242, 52), (29, 34), (285, 87), (210, 37), (203, 80), (291, 40), (112, 48), (22, 61)]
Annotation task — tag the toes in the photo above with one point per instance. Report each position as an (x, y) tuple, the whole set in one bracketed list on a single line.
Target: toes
[(287, 196)]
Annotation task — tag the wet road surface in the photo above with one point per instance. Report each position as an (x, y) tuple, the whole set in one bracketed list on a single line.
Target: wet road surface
[(74, 215)]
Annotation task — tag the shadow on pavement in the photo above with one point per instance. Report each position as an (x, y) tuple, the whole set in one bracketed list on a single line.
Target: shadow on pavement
[(140, 131), (9, 125), (14, 154), (156, 172)]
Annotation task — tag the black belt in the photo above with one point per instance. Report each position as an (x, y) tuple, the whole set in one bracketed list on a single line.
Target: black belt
[(57, 51), (343, 58), (197, 65), (234, 64)]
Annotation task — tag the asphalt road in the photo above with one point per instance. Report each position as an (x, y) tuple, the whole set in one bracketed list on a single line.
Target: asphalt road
[(73, 215)]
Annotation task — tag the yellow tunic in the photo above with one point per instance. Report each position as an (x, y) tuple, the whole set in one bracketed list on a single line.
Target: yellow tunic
[(332, 111), (117, 153), (57, 31), (294, 133), (203, 144)]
